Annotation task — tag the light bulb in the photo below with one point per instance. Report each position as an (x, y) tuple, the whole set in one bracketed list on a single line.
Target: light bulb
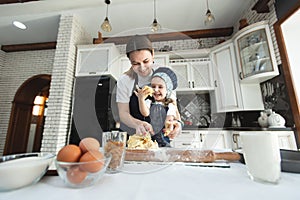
[(210, 19), (155, 26), (106, 25)]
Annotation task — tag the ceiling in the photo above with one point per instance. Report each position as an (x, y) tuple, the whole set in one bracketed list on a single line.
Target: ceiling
[(126, 16)]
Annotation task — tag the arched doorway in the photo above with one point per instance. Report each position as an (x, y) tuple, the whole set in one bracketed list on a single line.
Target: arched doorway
[(21, 115)]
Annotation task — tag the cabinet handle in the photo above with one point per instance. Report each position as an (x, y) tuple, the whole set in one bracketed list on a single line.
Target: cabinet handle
[(189, 84), (193, 84), (201, 138), (216, 85), (241, 75), (186, 144), (234, 138), (185, 132)]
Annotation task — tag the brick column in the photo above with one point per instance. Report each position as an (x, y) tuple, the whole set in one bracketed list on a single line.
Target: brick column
[(57, 124)]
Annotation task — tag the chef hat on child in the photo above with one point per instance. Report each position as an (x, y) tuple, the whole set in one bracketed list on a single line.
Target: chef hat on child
[(168, 76)]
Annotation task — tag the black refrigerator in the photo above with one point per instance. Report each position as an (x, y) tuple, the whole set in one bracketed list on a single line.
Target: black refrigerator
[(94, 107)]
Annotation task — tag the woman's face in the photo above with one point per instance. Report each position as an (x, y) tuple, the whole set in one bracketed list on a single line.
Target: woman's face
[(159, 87), (141, 62)]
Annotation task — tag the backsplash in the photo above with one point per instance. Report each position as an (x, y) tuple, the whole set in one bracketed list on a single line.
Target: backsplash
[(194, 109), (276, 97)]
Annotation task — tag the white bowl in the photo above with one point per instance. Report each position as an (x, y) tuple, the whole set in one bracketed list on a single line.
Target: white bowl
[(20, 170)]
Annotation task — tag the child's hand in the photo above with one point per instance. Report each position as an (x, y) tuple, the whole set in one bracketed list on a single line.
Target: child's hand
[(144, 92)]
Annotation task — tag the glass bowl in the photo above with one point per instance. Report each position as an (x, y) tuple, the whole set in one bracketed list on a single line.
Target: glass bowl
[(82, 174), (20, 170)]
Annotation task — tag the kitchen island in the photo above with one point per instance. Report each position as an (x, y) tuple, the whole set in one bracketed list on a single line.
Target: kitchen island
[(166, 181)]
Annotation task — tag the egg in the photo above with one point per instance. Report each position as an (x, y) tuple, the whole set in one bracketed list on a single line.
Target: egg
[(75, 175), (69, 153), (92, 161), (89, 144)]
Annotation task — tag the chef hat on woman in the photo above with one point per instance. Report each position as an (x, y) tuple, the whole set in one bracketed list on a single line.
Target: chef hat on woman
[(168, 76)]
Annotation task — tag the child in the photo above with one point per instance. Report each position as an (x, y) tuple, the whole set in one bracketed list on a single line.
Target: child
[(160, 107)]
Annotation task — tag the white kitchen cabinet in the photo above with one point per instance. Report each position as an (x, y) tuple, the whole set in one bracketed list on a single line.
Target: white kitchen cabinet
[(227, 93), (193, 74), (203, 139), (187, 139), (214, 139), (160, 59), (100, 59), (230, 94), (286, 139), (255, 53)]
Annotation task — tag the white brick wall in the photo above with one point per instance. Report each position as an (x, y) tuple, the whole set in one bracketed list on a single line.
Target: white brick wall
[(56, 129), (16, 68), (185, 44)]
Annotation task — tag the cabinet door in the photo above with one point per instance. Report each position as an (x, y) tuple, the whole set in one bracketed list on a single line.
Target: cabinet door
[(256, 55), (183, 79), (227, 94), (187, 139), (161, 59), (214, 140), (92, 61), (201, 75), (100, 59)]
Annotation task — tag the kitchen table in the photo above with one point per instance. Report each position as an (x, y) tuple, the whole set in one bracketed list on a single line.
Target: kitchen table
[(174, 181)]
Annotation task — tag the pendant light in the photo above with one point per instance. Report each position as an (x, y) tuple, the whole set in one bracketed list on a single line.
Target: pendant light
[(106, 25), (209, 17), (155, 26)]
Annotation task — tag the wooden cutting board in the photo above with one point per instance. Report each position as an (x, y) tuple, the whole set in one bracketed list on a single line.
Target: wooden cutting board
[(180, 155)]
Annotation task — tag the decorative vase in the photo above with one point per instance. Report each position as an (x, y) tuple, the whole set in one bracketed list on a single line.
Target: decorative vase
[(275, 120), (263, 120)]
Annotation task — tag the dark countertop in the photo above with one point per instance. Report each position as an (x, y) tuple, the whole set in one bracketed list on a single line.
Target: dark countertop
[(239, 128)]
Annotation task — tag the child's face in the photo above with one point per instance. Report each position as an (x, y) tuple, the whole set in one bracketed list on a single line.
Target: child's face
[(159, 87)]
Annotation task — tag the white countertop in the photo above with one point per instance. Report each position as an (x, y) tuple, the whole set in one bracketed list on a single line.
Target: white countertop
[(146, 181)]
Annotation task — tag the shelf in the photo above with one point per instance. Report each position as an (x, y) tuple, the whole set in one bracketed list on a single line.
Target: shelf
[(254, 47)]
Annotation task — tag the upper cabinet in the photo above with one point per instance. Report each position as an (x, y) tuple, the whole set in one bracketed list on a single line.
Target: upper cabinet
[(255, 53), (160, 59), (101, 59), (227, 95), (193, 74)]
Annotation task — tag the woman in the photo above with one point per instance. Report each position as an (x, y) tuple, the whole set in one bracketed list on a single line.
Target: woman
[(141, 55)]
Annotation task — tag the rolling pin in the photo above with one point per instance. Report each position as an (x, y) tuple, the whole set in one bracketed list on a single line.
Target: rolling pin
[(180, 155)]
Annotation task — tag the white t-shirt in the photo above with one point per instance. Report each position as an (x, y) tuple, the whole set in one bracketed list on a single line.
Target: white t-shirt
[(125, 86)]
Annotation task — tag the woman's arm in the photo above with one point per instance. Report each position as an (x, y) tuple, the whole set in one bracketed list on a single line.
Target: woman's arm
[(141, 127)]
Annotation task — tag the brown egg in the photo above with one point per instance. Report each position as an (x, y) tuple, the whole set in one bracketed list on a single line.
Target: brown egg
[(69, 153), (89, 144), (75, 175), (91, 157)]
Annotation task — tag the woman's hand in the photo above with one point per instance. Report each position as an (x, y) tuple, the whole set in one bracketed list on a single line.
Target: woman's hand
[(143, 128)]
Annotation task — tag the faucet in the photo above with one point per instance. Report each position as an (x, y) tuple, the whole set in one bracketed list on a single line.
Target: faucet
[(206, 118)]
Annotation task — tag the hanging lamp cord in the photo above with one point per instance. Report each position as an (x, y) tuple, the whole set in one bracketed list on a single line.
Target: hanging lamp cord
[(107, 3)]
